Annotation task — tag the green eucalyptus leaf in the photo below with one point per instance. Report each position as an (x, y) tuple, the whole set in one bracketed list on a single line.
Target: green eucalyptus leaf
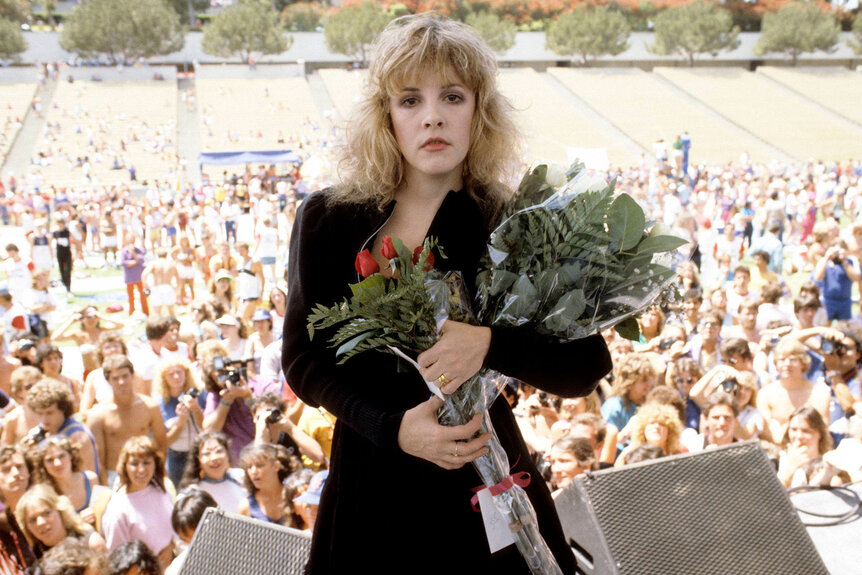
[(522, 300), (625, 222), (658, 244), (629, 329), (501, 281), (349, 345), (568, 309), (369, 289)]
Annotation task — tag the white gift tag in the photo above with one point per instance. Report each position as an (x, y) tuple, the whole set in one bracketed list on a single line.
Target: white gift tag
[(496, 527), (431, 385)]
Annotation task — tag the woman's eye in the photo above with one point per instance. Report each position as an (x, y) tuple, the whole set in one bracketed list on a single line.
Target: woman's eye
[(409, 102), (454, 98)]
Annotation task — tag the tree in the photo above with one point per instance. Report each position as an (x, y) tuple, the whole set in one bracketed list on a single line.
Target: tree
[(588, 32), (188, 9), (15, 10), (124, 30), (352, 30), (497, 32), (855, 41), (12, 41), (302, 16), (796, 29), (245, 29), (696, 28)]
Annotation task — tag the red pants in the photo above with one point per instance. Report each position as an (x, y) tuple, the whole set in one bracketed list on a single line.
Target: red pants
[(130, 290)]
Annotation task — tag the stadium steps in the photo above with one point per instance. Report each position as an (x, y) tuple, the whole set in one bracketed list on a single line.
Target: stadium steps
[(18, 157), (188, 138), (558, 127), (343, 88), (646, 107), (837, 90), (769, 111), (320, 95)]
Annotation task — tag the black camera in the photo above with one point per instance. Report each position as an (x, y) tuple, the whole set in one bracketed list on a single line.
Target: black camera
[(233, 371), (273, 415), (837, 260), (829, 346), (193, 393), (729, 385), (666, 343), (36, 435)]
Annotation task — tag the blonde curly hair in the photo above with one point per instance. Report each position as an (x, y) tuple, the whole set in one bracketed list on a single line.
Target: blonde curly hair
[(371, 164), (160, 384), (45, 494), (662, 414)]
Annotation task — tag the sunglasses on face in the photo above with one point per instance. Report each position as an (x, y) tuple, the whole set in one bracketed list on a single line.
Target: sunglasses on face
[(688, 380)]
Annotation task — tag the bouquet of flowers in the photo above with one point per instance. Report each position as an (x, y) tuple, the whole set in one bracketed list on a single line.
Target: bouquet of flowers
[(567, 260)]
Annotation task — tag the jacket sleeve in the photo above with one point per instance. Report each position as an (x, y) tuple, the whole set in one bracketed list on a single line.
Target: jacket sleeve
[(310, 366), (567, 369)]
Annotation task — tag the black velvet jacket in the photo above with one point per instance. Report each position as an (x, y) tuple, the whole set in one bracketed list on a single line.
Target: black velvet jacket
[(383, 510)]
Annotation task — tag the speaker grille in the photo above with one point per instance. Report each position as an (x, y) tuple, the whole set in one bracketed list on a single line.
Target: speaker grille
[(721, 511), (231, 544)]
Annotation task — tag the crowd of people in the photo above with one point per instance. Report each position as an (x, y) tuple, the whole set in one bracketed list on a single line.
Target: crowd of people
[(763, 343)]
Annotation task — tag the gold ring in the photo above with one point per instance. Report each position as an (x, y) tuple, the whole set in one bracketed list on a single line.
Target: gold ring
[(443, 380)]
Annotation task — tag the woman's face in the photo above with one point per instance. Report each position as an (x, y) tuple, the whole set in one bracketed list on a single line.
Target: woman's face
[(649, 319), (214, 459), (223, 285), (640, 389), (45, 523), (801, 434), (277, 298), (58, 462), (743, 396), (52, 363), (176, 379), (656, 434), (140, 470), (684, 382), (262, 471), (261, 326), (432, 121)]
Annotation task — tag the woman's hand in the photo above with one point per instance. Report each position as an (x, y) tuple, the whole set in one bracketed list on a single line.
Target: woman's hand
[(420, 435), (457, 356), (88, 515)]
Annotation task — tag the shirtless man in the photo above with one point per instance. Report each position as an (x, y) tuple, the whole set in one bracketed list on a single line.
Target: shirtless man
[(204, 254), (8, 364), (163, 273), (129, 415), (778, 400), (20, 420), (224, 261)]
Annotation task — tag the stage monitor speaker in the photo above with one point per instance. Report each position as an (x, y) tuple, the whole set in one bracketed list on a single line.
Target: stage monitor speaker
[(833, 518), (231, 544), (720, 511)]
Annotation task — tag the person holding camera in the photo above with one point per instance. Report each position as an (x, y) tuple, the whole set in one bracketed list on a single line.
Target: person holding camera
[(228, 394), (181, 405), (835, 273), (272, 425), (839, 350)]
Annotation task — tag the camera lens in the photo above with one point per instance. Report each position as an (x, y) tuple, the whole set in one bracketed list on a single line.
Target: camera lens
[(827, 346)]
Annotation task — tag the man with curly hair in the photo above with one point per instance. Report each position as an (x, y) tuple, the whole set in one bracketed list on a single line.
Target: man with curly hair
[(52, 403)]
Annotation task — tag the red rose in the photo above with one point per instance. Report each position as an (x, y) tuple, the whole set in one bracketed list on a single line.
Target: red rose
[(388, 249), (429, 263), (365, 264)]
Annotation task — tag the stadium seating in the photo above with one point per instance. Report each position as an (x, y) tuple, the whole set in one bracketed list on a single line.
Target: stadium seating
[(16, 98), (838, 89)]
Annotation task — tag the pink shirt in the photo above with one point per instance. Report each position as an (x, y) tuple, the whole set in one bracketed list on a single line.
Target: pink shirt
[(144, 515)]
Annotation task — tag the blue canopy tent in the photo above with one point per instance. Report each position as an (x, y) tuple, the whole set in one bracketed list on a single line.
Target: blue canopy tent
[(247, 157)]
